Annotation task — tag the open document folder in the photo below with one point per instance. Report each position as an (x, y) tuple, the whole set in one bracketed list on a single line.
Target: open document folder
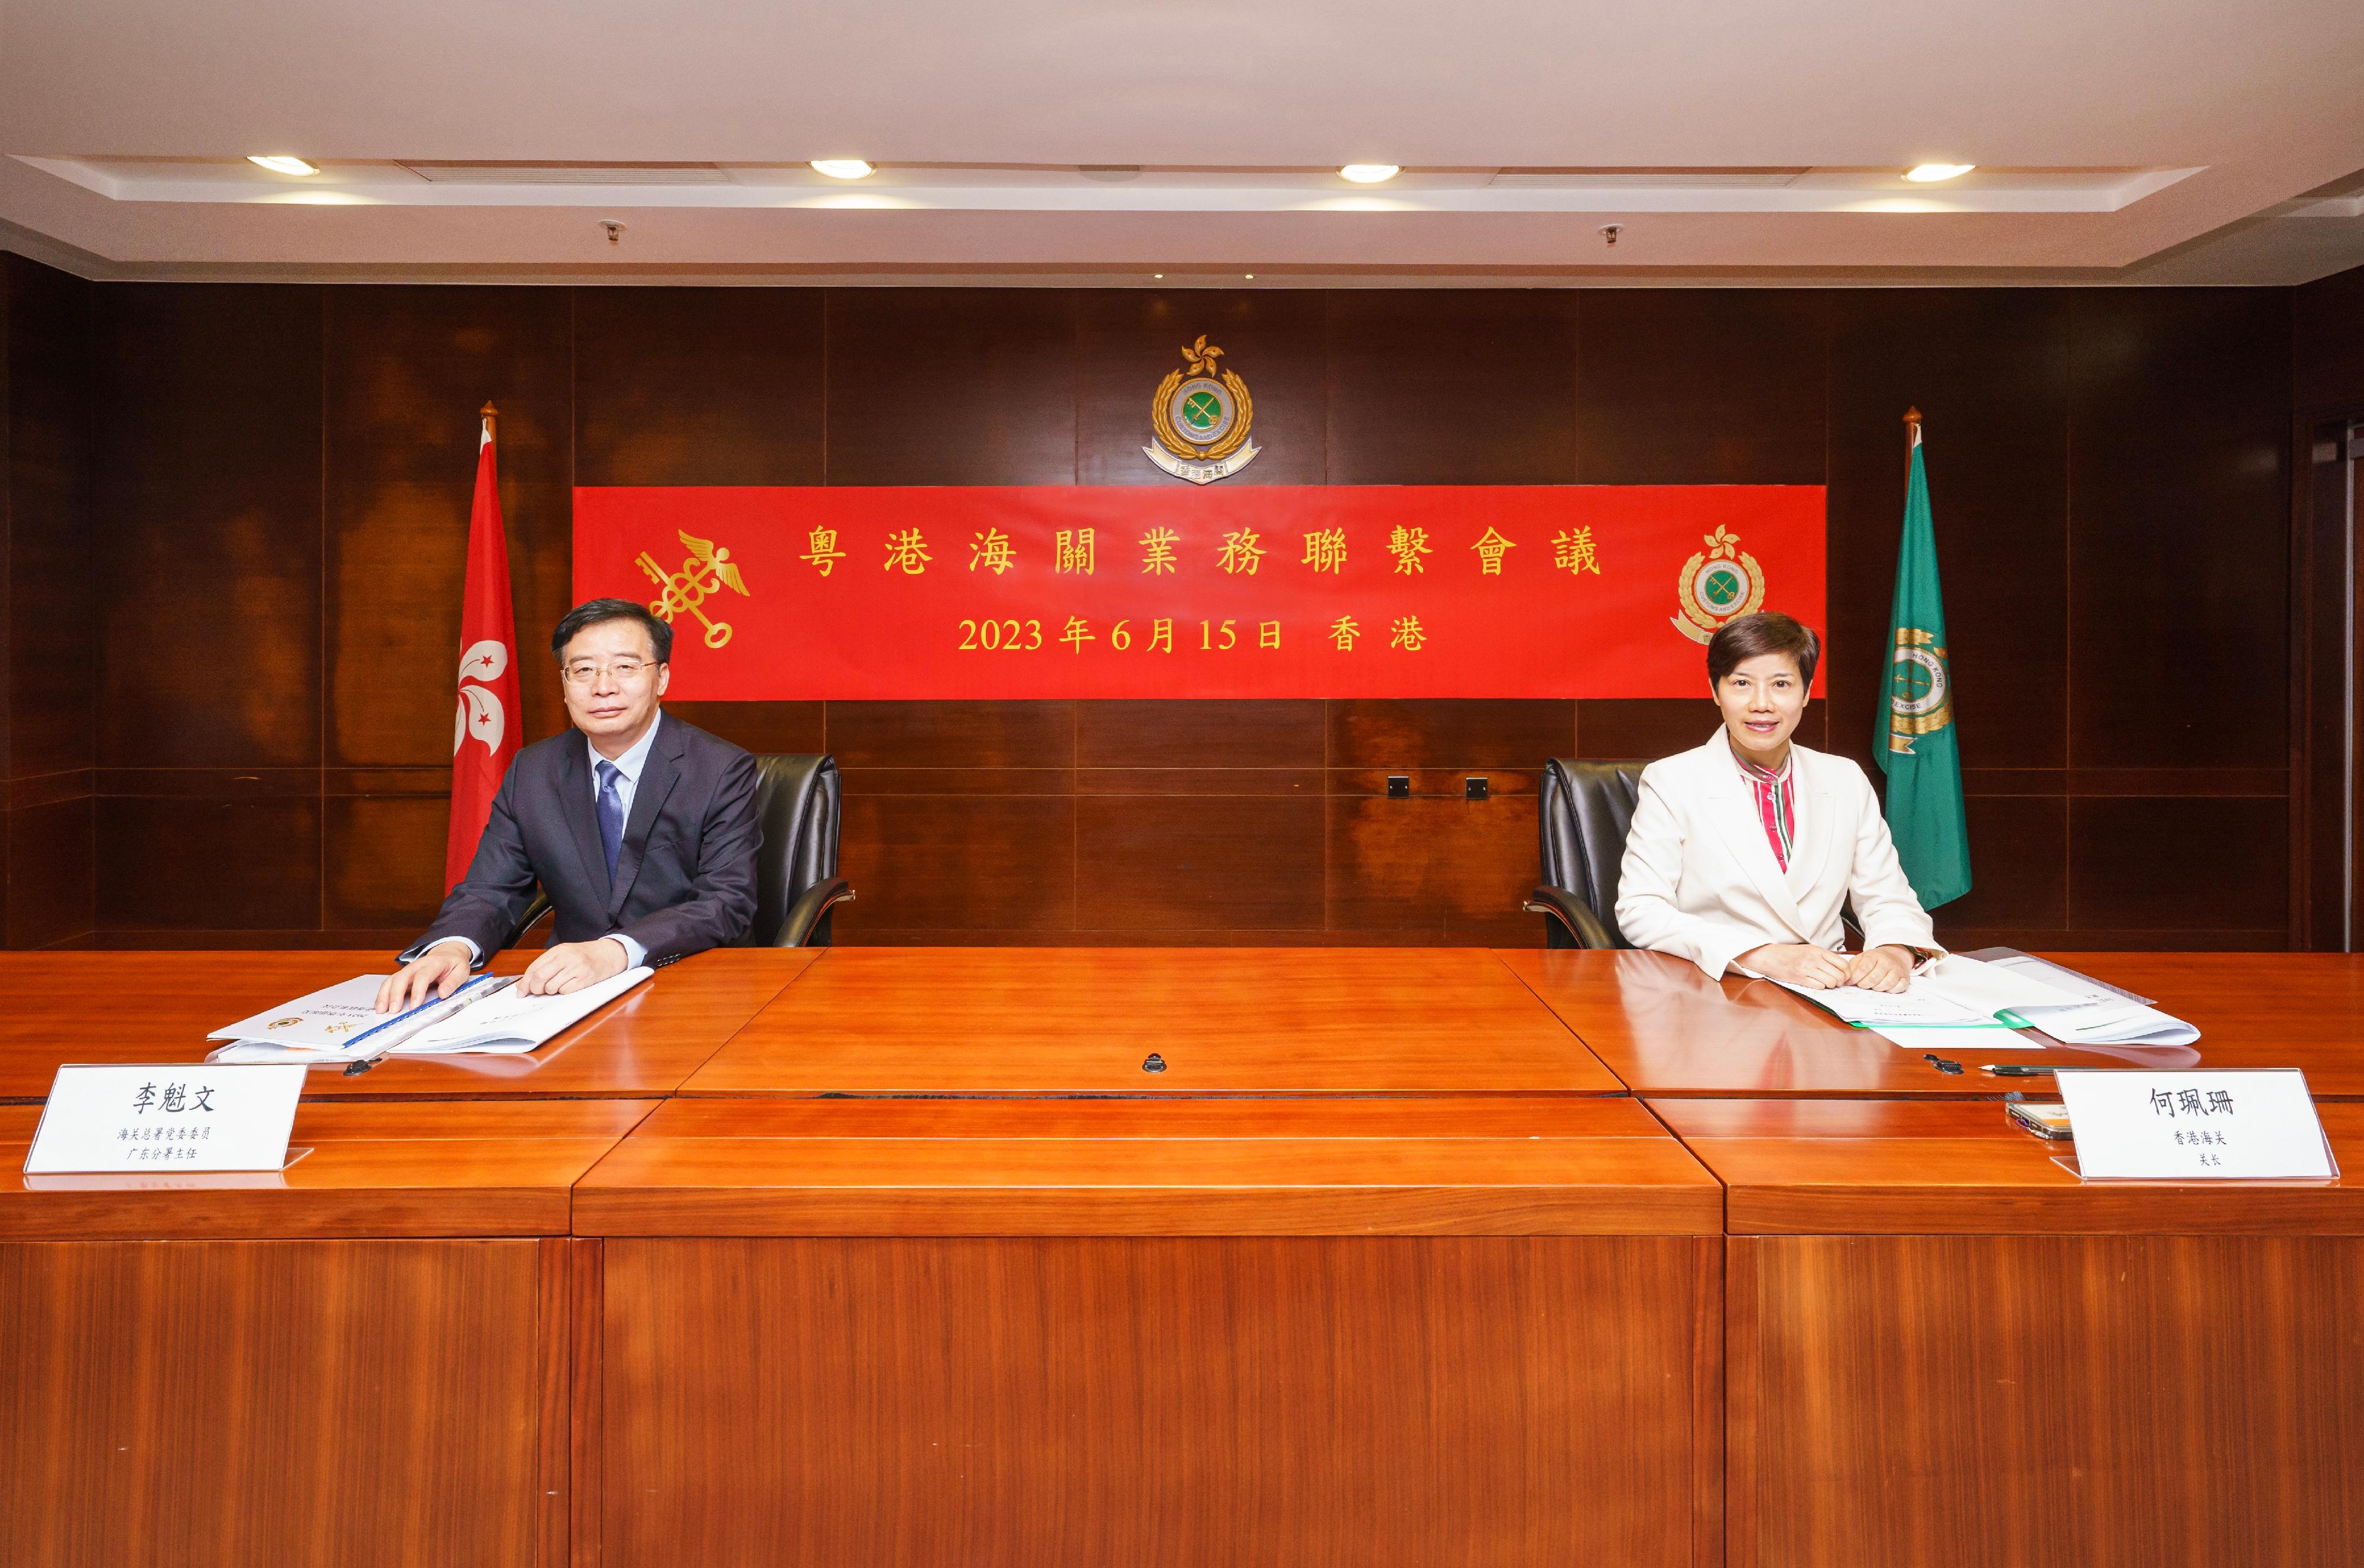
[(2019, 992), (340, 1023)]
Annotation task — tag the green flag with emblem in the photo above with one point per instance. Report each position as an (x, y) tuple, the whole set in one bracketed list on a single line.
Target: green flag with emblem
[(1915, 740)]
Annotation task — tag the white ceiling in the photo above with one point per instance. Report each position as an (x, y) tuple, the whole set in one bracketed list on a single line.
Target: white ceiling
[(2118, 141)]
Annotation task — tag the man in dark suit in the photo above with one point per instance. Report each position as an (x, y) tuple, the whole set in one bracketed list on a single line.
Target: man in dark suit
[(640, 829)]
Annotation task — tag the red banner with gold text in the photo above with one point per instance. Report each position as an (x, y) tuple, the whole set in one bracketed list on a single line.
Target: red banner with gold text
[(1317, 590)]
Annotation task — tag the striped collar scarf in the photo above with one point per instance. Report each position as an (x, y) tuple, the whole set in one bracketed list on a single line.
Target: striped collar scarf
[(1776, 802)]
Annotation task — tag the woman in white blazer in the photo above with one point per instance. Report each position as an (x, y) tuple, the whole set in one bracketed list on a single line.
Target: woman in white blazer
[(1744, 851)]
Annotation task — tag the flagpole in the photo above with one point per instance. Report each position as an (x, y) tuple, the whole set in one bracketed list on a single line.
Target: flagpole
[(489, 722), (1915, 741), (492, 417)]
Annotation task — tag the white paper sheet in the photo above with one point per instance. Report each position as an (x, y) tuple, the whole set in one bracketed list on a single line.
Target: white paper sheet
[(324, 1020), (1952, 1040), (341, 1023), (512, 1023), (1957, 990), (1919, 1005), (1986, 989)]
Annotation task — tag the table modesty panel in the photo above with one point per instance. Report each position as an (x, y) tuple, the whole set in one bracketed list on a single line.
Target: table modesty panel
[(2045, 1375), (366, 1359), (1003, 1403), (1242, 1330), (283, 1404)]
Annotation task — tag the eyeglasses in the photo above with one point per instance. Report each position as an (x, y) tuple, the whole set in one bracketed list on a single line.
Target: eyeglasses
[(583, 672)]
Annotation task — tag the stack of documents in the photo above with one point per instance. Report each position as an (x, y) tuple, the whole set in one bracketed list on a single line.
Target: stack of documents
[(341, 1023), (2011, 993)]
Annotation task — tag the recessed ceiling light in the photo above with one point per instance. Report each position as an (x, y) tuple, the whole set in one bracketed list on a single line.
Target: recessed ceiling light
[(842, 168), (1251, 277), (1370, 173), (282, 165), (1158, 274), (1929, 173)]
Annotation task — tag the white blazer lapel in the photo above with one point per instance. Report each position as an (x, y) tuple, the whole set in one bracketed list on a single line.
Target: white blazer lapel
[(1733, 804), (1817, 833)]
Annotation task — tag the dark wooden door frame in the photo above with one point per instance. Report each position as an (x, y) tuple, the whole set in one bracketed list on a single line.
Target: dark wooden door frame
[(2326, 686)]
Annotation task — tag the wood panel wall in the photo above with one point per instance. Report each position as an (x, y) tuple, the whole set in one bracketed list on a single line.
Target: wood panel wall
[(280, 479), (49, 587)]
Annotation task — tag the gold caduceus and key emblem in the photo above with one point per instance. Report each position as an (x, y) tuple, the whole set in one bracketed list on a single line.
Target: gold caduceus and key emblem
[(707, 571)]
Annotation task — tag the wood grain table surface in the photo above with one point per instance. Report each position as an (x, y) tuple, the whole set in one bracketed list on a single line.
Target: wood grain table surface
[(1568, 1166), (380, 1169), (1050, 1021), (1667, 1030), (1955, 1167), (159, 1007)]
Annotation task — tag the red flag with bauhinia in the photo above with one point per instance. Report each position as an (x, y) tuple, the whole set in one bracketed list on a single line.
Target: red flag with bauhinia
[(485, 735)]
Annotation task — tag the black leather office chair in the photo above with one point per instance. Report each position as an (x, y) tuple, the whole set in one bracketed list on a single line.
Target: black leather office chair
[(796, 885), (1587, 807), (797, 799)]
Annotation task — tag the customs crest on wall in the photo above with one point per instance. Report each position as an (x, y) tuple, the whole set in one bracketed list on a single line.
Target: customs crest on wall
[(1202, 417), (1719, 583)]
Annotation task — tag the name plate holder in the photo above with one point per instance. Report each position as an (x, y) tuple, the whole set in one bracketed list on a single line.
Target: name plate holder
[(2252, 1125), (168, 1119)]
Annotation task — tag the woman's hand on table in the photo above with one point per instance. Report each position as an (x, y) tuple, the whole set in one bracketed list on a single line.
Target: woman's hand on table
[(1798, 963), (1881, 969)]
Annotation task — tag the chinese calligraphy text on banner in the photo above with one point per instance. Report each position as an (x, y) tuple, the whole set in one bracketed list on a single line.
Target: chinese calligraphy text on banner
[(1430, 591)]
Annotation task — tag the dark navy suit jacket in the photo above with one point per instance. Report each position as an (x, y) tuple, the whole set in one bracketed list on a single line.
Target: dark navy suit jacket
[(685, 877)]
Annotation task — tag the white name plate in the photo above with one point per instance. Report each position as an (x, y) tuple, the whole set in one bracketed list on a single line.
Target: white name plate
[(178, 1117), (2208, 1124)]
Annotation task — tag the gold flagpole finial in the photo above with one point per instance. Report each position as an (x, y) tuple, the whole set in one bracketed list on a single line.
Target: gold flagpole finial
[(1911, 415), (492, 415)]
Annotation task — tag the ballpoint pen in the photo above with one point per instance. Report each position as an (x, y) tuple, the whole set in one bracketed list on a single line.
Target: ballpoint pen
[(474, 991)]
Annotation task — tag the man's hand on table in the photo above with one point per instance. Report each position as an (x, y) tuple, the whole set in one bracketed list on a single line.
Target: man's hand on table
[(437, 973), (570, 966)]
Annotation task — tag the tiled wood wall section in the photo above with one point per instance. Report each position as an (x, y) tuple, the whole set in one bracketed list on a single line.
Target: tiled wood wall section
[(50, 588), (281, 477)]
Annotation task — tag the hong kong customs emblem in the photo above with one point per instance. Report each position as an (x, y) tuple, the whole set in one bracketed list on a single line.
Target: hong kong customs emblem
[(1202, 417), (1919, 692), (1719, 583)]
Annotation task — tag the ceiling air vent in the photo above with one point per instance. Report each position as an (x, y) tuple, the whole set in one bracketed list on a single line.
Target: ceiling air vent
[(487, 173)]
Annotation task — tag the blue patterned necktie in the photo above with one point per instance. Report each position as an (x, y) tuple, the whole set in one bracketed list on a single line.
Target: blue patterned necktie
[(611, 815)]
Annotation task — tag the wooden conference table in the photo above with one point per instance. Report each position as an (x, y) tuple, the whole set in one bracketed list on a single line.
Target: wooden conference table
[(913, 1257)]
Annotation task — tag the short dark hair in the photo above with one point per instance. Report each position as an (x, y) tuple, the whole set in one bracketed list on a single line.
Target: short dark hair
[(1743, 638), (591, 612)]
